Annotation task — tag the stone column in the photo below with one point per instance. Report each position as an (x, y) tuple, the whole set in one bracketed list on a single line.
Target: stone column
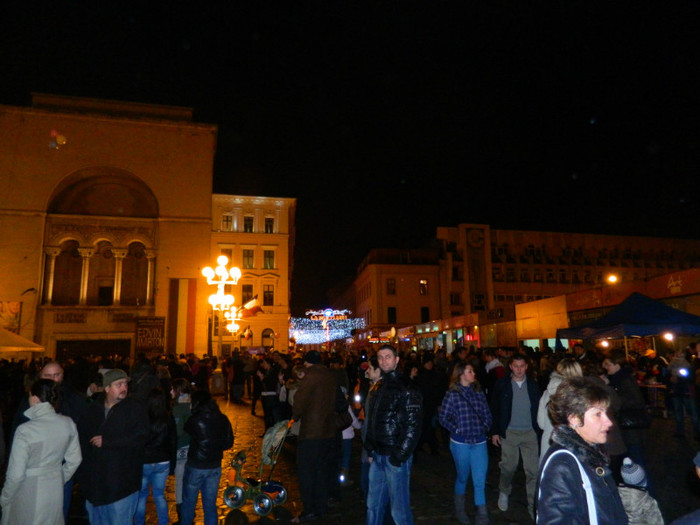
[(151, 256), (119, 254), (85, 253), (52, 252)]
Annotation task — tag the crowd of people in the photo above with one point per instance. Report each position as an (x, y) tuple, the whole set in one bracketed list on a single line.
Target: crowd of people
[(119, 429)]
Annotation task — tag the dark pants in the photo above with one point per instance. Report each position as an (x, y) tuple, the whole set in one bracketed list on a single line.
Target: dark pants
[(313, 460)]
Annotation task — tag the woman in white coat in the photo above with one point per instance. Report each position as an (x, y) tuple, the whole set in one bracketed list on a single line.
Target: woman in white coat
[(36, 472), (567, 367)]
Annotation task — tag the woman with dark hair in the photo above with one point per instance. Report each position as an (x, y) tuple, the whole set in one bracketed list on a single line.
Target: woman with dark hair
[(180, 392), (45, 454), (466, 415), (623, 381), (159, 456), (575, 482), (211, 433)]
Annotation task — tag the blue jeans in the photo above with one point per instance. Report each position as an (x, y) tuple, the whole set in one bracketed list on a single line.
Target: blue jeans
[(206, 481), (475, 459), (154, 476), (391, 484), (117, 513)]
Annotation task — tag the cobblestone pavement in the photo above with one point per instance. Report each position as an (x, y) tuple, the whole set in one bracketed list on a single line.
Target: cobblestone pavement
[(670, 464)]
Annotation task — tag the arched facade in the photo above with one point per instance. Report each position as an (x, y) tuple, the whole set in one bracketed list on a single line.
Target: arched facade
[(100, 240)]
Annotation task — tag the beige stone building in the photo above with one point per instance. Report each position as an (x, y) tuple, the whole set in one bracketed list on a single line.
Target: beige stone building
[(257, 236), (106, 221)]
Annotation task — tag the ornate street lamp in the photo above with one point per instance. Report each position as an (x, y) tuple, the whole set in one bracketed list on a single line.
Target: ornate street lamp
[(221, 301)]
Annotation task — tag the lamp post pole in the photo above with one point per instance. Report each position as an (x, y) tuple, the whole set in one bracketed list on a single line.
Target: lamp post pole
[(221, 301)]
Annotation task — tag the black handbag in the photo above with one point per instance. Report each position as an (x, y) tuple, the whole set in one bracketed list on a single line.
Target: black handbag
[(630, 418)]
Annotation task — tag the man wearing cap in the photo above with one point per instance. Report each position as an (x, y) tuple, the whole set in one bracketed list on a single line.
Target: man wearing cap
[(394, 418), (314, 407), (113, 432)]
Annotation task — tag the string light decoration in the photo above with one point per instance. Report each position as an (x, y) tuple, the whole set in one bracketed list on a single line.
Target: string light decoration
[(323, 326)]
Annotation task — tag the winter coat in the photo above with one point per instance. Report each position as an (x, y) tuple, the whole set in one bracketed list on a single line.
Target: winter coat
[(561, 497), (502, 404), (625, 384), (394, 418), (314, 403), (210, 434), (162, 444), (36, 473), (113, 471), (543, 420)]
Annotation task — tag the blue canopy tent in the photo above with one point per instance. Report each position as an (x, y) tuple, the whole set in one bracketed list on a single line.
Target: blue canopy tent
[(638, 315)]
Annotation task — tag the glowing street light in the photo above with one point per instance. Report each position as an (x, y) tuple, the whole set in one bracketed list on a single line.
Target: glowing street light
[(221, 301), (612, 278)]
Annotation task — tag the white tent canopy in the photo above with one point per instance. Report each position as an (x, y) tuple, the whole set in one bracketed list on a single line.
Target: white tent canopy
[(11, 343)]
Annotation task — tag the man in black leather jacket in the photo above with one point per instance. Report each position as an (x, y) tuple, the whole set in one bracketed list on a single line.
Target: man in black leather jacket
[(393, 419), (210, 434)]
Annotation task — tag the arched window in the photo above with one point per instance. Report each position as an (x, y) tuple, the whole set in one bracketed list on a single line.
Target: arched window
[(135, 276), (101, 283), (67, 272), (268, 338)]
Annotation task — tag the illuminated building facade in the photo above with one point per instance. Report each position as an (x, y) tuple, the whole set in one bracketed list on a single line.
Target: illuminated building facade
[(478, 274), (257, 236), (106, 213)]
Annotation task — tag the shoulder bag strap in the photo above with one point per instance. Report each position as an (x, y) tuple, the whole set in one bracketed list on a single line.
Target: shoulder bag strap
[(590, 499)]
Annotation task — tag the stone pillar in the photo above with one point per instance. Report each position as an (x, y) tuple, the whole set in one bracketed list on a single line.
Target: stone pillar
[(151, 256), (119, 254), (85, 253), (52, 252)]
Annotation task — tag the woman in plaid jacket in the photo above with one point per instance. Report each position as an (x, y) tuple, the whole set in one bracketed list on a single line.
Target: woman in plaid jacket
[(466, 415)]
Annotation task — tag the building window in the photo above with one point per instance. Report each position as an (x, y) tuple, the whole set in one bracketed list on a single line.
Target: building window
[(391, 286), (538, 276), (248, 259), (268, 295), (226, 222), (246, 293), (248, 224), (228, 252), (391, 315), (269, 259), (510, 275), (455, 299), (550, 276), (563, 277), (423, 287), (524, 275), (269, 225), (424, 314)]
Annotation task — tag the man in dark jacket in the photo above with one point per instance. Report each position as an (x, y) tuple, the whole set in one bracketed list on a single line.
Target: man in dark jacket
[(394, 419), (514, 405), (113, 432), (314, 407), (210, 434)]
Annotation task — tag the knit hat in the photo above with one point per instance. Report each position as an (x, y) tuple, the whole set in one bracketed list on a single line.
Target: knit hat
[(114, 375), (633, 474)]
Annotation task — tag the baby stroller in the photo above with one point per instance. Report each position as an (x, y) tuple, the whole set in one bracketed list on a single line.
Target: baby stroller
[(265, 493)]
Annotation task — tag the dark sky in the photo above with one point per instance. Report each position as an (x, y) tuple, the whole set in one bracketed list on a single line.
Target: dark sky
[(387, 119)]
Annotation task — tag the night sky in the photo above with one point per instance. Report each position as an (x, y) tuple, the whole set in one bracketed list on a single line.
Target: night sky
[(387, 119)]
